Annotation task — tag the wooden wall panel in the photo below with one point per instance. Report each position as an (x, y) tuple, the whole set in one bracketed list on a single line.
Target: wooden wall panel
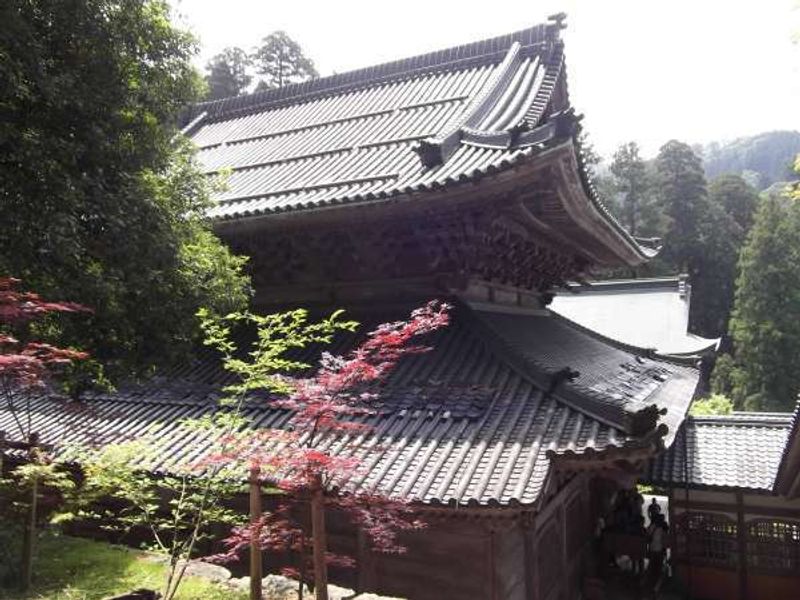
[(442, 562), (510, 564)]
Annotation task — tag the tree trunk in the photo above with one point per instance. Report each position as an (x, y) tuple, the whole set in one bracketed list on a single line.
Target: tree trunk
[(319, 539), (29, 539), (255, 544), (302, 567)]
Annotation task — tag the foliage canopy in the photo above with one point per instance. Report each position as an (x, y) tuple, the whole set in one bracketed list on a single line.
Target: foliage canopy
[(227, 73), (280, 61), (102, 202), (765, 324)]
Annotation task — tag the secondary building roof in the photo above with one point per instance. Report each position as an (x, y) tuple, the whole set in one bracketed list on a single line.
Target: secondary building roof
[(787, 479), (742, 450), (479, 420), (443, 120), (649, 313)]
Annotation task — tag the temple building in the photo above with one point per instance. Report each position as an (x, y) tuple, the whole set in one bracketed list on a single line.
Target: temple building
[(458, 175)]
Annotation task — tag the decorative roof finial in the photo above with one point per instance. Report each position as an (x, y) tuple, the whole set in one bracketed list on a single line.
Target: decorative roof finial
[(557, 22)]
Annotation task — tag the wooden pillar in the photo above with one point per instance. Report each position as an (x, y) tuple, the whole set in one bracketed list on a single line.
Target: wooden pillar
[(320, 542), (531, 566), (741, 538), (256, 571)]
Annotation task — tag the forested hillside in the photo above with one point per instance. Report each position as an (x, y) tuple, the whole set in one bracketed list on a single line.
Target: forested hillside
[(761, 159), (721, 215)]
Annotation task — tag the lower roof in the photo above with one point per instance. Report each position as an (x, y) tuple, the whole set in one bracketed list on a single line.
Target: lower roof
[(475, 421), (623, 309), (741, 450)]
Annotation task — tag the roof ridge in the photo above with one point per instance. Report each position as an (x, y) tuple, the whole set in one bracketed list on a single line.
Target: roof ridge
[(750, 419), (479, 52)]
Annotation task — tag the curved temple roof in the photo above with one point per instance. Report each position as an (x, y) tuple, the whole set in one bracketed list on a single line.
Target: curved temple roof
[(415, 125), (478, 420)]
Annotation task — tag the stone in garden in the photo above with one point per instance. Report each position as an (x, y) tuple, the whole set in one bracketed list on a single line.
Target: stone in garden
[(214, 573), (339, 593), (277, 586)]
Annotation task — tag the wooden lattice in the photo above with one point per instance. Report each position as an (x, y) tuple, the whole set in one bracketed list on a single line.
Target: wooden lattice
[(773, 546), (707, 538)]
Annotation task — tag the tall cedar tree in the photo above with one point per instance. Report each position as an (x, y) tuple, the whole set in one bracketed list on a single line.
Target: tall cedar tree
[(591, 159), (101, 202), (695, 237), (227, 74), (765, 325), (321, 451), (736, 197), (732, 202), (280, 61), (682, 194), (637, 208)]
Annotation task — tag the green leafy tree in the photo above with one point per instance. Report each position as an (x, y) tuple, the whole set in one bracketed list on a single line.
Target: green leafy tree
[(227, 73), (101, 201), (716, 404), (280, 61), (180, 508), (638, 210), (177, 510), (765, 325)]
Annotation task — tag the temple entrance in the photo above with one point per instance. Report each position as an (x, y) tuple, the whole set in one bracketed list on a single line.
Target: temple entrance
[(630, 549)]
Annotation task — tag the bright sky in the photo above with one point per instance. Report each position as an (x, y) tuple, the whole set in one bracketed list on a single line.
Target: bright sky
[(695, 70)]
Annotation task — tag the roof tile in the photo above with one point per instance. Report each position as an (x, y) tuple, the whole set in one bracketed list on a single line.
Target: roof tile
[(742, 450), (461, 424)]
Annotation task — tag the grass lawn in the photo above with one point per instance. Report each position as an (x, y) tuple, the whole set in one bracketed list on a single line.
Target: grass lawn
[(76, 569)]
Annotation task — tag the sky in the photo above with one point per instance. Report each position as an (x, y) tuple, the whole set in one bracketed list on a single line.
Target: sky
[(639, 70)]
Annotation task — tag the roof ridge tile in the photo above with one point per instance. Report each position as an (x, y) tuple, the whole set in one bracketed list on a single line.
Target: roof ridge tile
[(482, 51)]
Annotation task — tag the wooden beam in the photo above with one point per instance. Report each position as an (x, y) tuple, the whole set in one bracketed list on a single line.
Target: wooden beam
[(767, 511)]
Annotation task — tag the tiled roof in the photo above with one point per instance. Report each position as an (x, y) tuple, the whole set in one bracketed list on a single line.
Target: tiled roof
[(469, 422), (412, 125), (354, 136), (741, 450), (600, 304)]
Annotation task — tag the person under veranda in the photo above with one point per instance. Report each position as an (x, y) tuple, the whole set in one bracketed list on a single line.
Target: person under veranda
[(657, 547)]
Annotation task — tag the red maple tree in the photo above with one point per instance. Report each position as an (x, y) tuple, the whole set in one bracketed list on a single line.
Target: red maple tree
[(27, 366), (316, 456)]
